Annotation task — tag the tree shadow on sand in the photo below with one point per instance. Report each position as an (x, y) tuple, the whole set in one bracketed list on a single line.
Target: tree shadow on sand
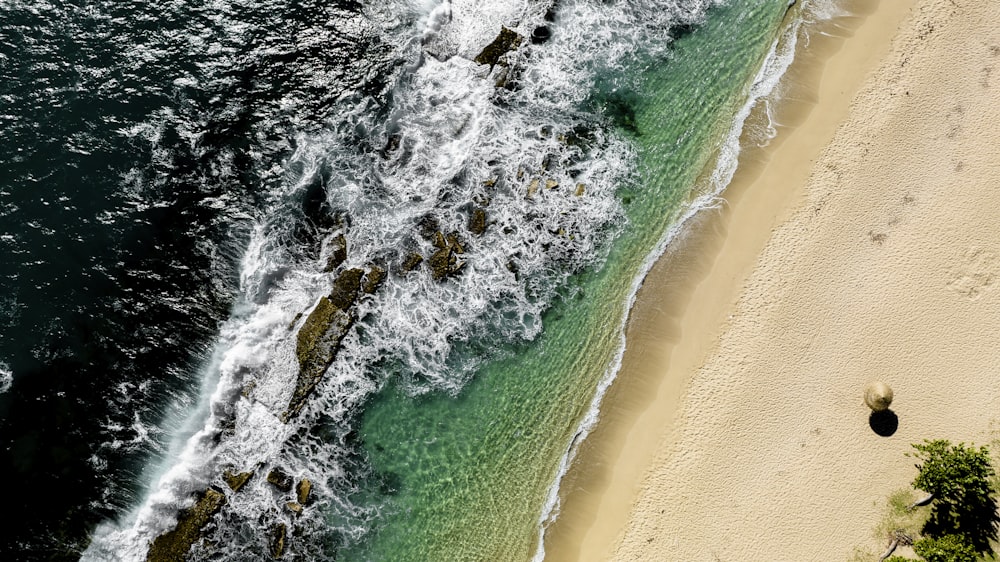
[(975, 518), (884, 423)]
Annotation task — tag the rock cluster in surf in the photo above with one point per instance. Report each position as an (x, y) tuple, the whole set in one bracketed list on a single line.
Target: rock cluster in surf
[(319, 337)]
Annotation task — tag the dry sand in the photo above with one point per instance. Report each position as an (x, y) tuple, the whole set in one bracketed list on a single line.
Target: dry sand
[(863, 244)]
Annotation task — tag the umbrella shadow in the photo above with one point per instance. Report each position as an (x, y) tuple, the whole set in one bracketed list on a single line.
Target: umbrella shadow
[(884, 423)]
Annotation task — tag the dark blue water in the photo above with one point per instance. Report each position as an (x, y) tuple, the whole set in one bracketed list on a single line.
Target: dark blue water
[(137, 139)]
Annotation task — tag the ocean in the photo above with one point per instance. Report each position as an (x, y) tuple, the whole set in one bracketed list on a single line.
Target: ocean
[(340, 280)]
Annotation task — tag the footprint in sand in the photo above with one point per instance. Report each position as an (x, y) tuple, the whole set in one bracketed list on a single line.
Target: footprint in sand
[(975, 275)]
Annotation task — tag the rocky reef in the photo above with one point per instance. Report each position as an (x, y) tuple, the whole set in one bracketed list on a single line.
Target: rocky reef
[(320, 336), (505, 42), (173, 546), (236, 481)]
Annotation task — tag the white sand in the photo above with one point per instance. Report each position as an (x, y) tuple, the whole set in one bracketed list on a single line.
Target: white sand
[(758, 448)]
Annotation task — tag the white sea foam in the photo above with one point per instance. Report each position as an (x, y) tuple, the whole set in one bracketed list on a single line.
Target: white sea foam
[(6, 377)]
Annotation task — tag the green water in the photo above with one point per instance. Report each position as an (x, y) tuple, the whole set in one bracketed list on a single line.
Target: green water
[(465, 478)]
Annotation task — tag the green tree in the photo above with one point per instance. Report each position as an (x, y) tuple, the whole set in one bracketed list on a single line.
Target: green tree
[(949, 548), (959, 479)]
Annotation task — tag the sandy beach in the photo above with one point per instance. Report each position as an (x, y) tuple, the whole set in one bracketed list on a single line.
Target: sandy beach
[(862, 244)]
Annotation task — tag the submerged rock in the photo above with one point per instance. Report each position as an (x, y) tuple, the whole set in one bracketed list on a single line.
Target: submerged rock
[(338, 253), (373, 279), (236, 481), (279, 535), (533, 187), (427, 226), (541, 34), (477, 222), (174, 545), (294, 507), (506, 41)]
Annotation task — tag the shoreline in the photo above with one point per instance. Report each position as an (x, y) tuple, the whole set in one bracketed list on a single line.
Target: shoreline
[(685, 303)]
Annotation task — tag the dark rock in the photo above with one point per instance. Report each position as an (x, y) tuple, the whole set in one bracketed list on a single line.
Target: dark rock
[(506, 78), (345, 288), (280, 480), (317, 343), (391, 144), (507, 41), (411, 262), (248, 389), (174, 545), (373, 279), (477, 222), (439, 241), (427, 226), (236, 481), (441, 263), (533, 187), (303, 490), (291, 325), (320, 335), (444, 263), (454, 244), (279, 535), (541, 34), (548, 161), (338, 253)]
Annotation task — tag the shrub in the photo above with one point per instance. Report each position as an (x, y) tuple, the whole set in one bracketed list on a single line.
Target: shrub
[(961, 481), (949, 548)]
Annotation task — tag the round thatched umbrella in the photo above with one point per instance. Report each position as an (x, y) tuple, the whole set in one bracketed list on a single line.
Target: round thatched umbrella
[(878, 396)]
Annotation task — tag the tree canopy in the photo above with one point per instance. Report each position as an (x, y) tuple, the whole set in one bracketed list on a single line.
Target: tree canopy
[(953, 472), (961, 481)]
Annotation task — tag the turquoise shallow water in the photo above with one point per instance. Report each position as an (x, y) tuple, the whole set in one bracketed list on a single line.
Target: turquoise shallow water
[(466, 477)]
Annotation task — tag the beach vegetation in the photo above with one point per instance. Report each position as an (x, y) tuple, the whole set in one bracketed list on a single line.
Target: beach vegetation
[(960, 481), (899, 517), (948, 548)]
